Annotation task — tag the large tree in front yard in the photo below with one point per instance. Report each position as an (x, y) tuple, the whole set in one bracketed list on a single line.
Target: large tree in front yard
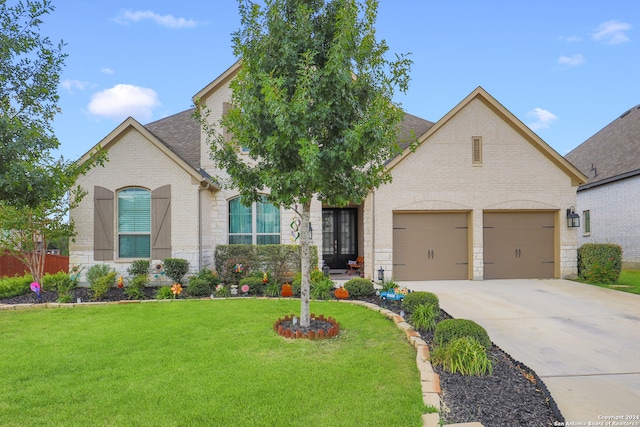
[(313, 104)]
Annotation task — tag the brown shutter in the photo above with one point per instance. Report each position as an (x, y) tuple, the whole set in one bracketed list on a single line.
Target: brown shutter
[(161, 222), (103, 212)]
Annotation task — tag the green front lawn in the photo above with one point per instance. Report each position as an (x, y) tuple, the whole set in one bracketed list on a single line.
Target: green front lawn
[(629, 281), (203, 362)]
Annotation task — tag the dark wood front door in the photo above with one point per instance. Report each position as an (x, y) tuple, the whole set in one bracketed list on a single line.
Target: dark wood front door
[(339, 236)]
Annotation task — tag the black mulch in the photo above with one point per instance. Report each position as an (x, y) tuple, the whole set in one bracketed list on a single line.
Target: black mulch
[(513, 395)]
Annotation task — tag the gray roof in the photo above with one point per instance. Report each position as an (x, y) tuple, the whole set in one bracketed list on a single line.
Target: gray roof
[(409, 123), (611, 154), (181, 133)]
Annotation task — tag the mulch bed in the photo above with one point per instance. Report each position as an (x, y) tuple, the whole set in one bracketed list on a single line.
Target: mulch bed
[(513, 395)]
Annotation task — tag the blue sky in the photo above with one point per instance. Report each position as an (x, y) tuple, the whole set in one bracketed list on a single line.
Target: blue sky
[(566, 68)]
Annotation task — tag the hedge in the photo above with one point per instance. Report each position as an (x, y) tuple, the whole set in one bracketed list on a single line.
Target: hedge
[(281, 260), (599, 262)]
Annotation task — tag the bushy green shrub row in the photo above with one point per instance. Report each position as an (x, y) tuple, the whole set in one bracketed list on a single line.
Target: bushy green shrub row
[(281, 260), (599, 262)]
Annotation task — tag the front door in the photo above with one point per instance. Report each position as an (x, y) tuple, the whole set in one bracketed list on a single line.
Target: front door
[(339, 236)]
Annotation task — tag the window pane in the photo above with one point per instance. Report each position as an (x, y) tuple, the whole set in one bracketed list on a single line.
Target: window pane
[(134, 210), (135, 246), (239, 239), (267, 218), (239, 217), (268, 239)]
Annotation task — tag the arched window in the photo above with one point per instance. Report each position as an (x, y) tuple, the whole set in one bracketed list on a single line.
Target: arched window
[(258, 224), (134, 223)]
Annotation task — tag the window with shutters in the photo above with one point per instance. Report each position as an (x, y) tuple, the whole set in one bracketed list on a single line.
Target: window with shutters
[(258, 224), (134, 223), (476, 143)]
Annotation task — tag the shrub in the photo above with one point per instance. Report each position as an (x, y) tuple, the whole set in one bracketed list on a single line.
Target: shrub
[(199, 287), (222, 290), (14, 286), (425, 316), (164, 293), (51, 281), (359, 287), (255, 283), (63, 283), (387, 285), (414, 299), (272, 289), (451, 329), (599, 262), (101, 286), (176, 268), (211, 277), (465, 355), (139, 267), (322, 288), (135, 289), (97, 271), (279, 259)]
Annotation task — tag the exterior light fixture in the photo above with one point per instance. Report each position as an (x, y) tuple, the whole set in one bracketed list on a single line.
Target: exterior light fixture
[(381, 274), (573, 219)]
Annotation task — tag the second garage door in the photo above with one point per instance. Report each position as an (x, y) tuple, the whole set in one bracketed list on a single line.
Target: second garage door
[(518, 245), (430, 246)]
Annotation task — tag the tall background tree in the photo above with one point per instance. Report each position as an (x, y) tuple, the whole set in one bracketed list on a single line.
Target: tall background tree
[(36, 189), (313, 103), (30, 67)]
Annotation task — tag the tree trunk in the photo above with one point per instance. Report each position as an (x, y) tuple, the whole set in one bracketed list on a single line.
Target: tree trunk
[(305, 267)]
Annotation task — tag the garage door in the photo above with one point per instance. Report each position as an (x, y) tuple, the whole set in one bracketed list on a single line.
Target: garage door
[(518, 245), (430, 246)]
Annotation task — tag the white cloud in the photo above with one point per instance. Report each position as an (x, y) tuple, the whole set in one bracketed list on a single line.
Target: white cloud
[(612, 32), (123, 100), (169, 21), (571, 61), (542, 118), (108, 71), (70, 85)]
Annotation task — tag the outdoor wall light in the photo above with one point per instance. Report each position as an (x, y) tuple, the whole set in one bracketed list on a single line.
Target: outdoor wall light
[(573, 219), (381, 274)]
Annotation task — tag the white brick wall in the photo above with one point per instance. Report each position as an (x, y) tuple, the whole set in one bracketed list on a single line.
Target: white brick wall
[(135, 161), (615, 217), (440, 176)]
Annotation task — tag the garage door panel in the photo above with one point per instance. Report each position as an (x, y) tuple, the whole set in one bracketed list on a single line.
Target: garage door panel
[(430, 246), (518, 245)]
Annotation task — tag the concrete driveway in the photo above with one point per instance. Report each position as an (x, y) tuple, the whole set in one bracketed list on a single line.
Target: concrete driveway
[(583, 341)]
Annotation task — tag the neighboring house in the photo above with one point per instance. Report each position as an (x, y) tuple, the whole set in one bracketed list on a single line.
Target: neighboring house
[(608, 202), (482, 197)]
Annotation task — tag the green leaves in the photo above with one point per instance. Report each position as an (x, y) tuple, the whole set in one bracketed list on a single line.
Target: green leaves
[(312, 103)]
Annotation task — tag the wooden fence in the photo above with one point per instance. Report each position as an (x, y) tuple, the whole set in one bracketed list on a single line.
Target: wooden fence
[(11, 266)]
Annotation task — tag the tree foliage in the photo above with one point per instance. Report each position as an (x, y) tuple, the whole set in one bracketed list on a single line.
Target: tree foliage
[(313, 104), (30, 67), (36, 190)]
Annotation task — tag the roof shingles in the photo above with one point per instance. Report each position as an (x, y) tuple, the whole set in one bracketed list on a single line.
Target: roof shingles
[(613, 152)]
